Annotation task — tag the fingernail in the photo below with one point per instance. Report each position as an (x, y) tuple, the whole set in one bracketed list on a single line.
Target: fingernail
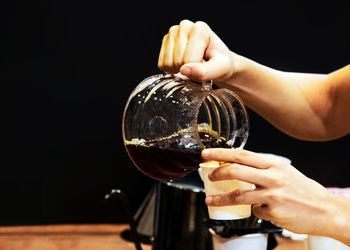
[(185, 70), (209, 200), (205, 153)]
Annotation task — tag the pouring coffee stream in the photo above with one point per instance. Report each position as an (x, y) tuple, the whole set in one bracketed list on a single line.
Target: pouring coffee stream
[(169, 119)]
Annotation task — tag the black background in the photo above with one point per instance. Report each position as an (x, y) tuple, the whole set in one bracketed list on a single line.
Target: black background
[(68, 67)]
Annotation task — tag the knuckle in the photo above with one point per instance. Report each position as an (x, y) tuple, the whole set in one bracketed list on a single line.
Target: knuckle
[(274, 196), (221, 173), (185, 22), (239, 154), (271, 196), (212, 153), (230, 173), (201, 24), (236, 196), (218, 201), (280, 182), (279, 162), (233, 170), (277, 179), (184, 28), (200, 74), (275, 162), (274, 212), (261, 211), (257, 210), (203, 29), (173, 29), (270, 163)]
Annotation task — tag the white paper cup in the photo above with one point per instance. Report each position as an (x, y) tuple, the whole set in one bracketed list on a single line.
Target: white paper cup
[(324, 243), (248, 241), (233, 212)]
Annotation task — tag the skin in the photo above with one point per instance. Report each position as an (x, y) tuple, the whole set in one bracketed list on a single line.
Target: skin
[(316, 110), (316, 105), (283, 195)]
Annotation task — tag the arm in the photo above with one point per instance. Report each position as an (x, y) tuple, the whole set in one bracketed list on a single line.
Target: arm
[(305, 106), (341, 219), (283, 194)]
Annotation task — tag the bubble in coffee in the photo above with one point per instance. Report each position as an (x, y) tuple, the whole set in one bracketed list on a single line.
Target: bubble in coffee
[(168, 158)]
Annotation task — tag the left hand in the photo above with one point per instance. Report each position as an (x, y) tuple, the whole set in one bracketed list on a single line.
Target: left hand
[(283, 195)]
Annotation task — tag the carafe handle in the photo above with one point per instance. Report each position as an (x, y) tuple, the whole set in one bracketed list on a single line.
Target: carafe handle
[(207, 85)]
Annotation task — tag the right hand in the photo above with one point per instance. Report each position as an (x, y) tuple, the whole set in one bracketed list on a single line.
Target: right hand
[(282, 195), (195, 51)]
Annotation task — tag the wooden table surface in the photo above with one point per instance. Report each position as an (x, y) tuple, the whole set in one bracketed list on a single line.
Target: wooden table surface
[(83, 237)]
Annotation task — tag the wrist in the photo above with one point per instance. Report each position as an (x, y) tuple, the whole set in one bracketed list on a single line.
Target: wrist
[(238, 67), (239, 64), (339, 226)]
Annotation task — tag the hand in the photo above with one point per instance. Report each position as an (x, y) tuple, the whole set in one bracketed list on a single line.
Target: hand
[(195, 51), (283, 195)]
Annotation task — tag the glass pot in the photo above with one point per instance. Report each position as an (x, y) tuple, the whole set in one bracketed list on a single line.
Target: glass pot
[(169, 119)]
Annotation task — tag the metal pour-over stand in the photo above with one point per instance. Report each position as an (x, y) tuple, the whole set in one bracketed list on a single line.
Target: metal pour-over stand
[(119, 195), (251, 225), (142, 223)]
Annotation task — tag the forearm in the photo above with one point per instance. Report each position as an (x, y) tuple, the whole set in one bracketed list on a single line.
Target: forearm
[(282, 98), (339, 220)]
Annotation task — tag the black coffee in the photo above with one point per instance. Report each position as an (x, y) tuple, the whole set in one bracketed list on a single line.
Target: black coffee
[(163, 159)]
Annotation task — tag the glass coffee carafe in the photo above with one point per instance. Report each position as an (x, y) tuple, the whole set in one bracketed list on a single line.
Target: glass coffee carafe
[(169, 119)]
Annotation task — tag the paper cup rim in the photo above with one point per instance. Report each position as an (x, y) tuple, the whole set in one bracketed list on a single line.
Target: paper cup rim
[(204, 164)]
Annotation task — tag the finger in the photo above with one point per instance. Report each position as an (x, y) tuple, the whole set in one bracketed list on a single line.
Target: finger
[(169, 50), (199, 38), (216, 68), (181, 40), (240, 172), (236, 197), (262, 211), (240, 156), (161, 53)]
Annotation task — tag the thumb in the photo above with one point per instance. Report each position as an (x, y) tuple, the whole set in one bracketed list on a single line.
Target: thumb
[(217, 68)]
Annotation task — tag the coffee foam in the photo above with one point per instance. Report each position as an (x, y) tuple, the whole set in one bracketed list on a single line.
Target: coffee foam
[(202, 128)]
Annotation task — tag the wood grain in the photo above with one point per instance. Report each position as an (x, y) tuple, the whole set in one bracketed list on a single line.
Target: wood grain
[(83, 237)]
